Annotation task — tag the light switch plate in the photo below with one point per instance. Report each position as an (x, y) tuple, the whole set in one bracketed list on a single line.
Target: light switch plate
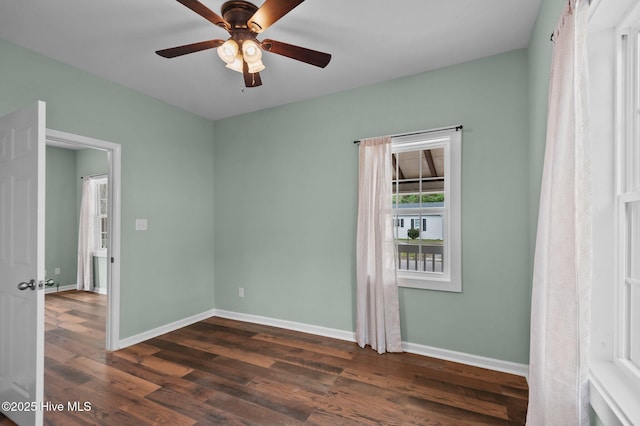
[(141, 224)]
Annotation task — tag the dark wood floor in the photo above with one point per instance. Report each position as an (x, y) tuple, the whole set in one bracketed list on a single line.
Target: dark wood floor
[(221, 371)]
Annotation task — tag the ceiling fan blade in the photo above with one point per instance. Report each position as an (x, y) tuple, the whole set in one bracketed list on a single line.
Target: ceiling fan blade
[(206, 13), (270, 12), (250, 79), (313, 57), (189, 48)]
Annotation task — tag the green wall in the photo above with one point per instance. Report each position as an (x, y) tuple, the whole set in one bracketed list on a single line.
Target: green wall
[(286, 198), (167, 177)]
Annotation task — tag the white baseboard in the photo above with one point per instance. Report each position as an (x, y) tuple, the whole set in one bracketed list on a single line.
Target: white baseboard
[(68, 287), (167, 328), (448, 355), (468, 359), (289, 325), (55, 289)]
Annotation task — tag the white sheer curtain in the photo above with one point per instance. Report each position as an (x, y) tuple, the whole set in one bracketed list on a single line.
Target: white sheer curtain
[(560, 311), (86, 235), (378, 312)]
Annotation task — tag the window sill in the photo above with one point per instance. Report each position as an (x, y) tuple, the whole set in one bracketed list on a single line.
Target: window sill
[(428, 282), (613, 396)]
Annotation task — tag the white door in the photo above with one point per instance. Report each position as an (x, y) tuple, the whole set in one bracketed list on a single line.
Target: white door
[(22, 186)]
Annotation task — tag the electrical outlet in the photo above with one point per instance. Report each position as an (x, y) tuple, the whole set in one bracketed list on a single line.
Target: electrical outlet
[(57, 271), (141, 224), (241, 291)]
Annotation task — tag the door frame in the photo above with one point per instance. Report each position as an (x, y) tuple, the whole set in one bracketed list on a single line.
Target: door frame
[(114, 157)]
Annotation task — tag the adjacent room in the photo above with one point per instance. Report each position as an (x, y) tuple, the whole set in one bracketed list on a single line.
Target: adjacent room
[(320, 212)]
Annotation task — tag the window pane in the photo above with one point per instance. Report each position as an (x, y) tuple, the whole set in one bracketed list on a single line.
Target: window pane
[(408, 200), (433, 199), (433, 175), (432, 256), (420, 243), (634, 147), (407, 172), (103, 207), (633, 248), (434, 232), (433, 243), (425, 257), (103, 232), (634, 326), (408, 254)]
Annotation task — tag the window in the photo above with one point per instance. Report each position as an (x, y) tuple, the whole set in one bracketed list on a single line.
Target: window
[(628, 218), (613, 80), (426, 192), (102, 197)]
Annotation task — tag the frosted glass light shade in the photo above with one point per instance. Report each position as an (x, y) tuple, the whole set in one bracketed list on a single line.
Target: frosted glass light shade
[(236, 65), (252, 55), (228, 52)]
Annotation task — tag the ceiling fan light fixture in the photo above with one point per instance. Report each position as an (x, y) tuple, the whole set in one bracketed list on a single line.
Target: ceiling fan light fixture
[(250, 49), (236, 64), (228, 52), (253, 56), (242, 52), (255, 67)]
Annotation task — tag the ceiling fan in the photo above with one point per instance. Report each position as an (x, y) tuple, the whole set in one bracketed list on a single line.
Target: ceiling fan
[(242, 52)]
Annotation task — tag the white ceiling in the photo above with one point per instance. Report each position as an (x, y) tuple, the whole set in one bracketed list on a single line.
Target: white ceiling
[(370, 40)]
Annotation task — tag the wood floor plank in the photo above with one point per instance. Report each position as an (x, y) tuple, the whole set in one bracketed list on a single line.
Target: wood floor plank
[(178, 384), (311, 380), (340, 353), (222, 371), (133, 405), (233, 353), (67, 341), (115, 377), (435, 413), (459, 400), (62, 317), (182, 403), (372, 410), (166, 367), (256, 414)]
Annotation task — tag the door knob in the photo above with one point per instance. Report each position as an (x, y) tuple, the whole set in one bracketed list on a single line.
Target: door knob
[(31, 284)]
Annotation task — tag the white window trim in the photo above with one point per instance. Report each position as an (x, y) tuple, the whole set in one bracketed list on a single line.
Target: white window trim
[(628, 134), (97, 181), (614, 393), (451, 278)]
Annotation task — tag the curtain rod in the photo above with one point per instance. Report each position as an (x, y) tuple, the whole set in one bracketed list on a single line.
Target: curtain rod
[(95, 176), (457, 129)]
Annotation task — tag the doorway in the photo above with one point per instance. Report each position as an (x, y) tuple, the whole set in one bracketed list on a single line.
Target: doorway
[(111, 260)]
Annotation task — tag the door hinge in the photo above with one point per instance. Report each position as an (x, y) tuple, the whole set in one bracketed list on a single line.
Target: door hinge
[(112, 260)]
